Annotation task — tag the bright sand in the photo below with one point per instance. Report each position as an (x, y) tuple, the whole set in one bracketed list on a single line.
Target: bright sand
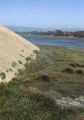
[(13, 53)]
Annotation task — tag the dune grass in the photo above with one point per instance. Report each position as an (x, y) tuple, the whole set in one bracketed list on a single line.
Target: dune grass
[(32, 94)]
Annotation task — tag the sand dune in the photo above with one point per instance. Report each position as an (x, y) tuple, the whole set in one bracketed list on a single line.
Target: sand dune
[(13, 52)]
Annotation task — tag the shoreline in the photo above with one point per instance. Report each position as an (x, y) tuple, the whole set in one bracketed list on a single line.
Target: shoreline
[(62, 37)]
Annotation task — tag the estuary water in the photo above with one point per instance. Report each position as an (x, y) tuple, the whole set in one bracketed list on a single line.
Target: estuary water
[(66, 42)]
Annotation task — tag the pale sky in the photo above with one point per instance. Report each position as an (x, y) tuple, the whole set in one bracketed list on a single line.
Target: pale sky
[(42, 13)]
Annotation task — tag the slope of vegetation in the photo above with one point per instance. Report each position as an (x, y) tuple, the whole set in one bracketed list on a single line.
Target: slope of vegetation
[(56, 72)]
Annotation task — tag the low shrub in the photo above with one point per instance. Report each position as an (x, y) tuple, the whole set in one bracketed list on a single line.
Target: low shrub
[(14, 64), (80, 72), (28, 58), (68, 70), (36, 51), (44, 78), (76, 65), (22, 50), (20, 62), (10, 70), (20, 70), (3, 75)]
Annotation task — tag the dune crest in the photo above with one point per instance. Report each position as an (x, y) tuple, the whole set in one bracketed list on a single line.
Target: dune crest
[(13, 53)]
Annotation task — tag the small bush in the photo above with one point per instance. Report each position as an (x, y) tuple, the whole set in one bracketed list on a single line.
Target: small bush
[(22, 50), (7, 70), (20, 62), (76, 65), (36, 51), (3, 75), (80, 72), (21, 55), (69, 70), (2, 86), (10, 70), (28, 58), (14, 64), (44, 78), (20, 71)]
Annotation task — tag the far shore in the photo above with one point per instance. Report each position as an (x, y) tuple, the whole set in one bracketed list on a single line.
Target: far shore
[(66, 37)]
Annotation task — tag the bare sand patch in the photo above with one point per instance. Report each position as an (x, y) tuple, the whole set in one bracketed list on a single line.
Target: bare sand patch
[(13, 48)]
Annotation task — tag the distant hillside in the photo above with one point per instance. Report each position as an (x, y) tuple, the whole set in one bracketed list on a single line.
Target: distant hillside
[(25, 29), (30, 29)]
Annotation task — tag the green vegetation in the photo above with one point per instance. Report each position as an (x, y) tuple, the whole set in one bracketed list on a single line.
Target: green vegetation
[(3, 75), (9, 70), (32, 94), (21, 55), (58, 33), (36, 51), (14, 64), (28, 58), (20, 62), (20, 71)]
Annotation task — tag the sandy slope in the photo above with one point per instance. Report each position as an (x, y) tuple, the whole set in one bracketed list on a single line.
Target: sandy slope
[(13, 48)]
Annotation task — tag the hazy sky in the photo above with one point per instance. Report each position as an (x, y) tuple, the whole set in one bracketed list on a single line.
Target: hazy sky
[(42, 13)]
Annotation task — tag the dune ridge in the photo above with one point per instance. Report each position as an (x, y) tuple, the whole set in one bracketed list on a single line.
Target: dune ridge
[(13, 48)]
